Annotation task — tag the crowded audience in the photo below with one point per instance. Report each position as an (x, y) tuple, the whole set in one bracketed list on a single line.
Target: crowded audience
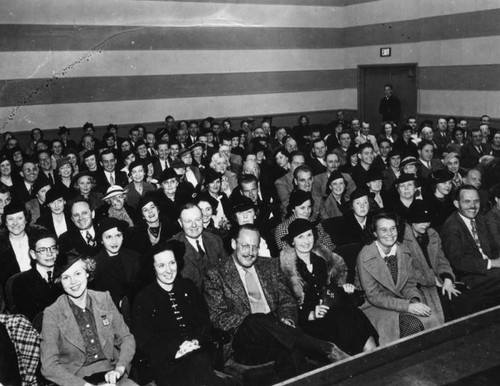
[(215, 248)]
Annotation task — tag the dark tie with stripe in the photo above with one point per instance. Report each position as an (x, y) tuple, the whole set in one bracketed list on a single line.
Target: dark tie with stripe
[(200, 249), (392, 263)]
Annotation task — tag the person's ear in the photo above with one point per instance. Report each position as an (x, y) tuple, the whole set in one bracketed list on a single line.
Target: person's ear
[(32, 254), (93, 214), (233, 244), (455, 202)]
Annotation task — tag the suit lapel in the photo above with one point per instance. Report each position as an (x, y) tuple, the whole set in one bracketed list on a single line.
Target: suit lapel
[(235, 284), (69, 327), (191, 253)]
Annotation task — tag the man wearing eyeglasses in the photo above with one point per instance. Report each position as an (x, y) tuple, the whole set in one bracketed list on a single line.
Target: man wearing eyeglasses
[(248, 297), (33, 290), (203, 249)]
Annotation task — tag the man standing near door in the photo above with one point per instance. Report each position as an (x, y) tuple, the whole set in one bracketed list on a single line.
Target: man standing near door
[(389, 105)]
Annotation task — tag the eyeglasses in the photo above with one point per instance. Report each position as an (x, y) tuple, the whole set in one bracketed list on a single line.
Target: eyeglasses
[(247, 247), (45, 250)]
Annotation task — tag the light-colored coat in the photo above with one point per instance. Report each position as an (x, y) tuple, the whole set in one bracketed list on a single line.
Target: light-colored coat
[(385, 300), (62, 350)]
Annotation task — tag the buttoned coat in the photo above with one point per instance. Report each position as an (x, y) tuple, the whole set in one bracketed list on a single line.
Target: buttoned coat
[(386, 299), (227, 299), (284, 187), (62, 349), (318, 189), (193, 267)]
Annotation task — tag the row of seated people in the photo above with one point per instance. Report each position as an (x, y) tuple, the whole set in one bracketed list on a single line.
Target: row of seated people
[(205, 232), (408, 285)]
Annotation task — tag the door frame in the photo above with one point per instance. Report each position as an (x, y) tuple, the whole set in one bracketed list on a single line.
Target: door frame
[(361, 77)]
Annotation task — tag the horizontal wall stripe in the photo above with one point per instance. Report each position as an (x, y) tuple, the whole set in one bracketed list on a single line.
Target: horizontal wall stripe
[(168, 14), (327, 3), (428, 54), (25, 118), (481, 78), (97, 89), (18, 65), (459, 26), (459, 103), (390, 11), (95, 38)]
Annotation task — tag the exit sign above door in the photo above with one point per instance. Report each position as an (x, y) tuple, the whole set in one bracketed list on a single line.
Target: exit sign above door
[(385, 52)]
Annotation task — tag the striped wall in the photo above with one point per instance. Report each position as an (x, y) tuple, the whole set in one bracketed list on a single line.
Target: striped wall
[(65, 63)]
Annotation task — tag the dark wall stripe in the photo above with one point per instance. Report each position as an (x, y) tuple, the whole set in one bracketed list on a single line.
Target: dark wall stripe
[(481, 78), (459, 26), (326, 3), (97, 89), (65, 37), (75, 38)]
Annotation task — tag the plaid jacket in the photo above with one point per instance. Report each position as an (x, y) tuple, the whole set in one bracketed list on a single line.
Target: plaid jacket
[(27, 343)]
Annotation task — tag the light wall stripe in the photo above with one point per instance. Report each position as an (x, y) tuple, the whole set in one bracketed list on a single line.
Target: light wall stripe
[(19, 65), (459, 103), (403, 10), (74, 115), (168, 14)]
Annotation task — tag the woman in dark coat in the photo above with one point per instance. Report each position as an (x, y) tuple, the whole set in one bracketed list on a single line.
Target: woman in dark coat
[(171, 324), (440, 201), (328, 308)]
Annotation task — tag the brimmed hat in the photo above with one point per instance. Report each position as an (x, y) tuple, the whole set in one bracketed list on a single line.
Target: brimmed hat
[(63, 130), (405, 177), (62, 161), (297, 227), (351, 150), (13, 207), (146, 199), (137, 162), (40, 183), (110, 223), (408, 161), (441, 175), (241, 203), (359, 192), (167, 174), (113, 190), (84, 173), (394, 153), (183, 152), (67, 261), (419, 212), (335, 175), (197, 144), (54, 194), (210, 176), (298, 197), (177, 163), (373, 175), (125, 154)]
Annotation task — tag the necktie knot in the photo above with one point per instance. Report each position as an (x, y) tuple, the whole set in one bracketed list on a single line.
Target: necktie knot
[(49, 277), (392, 264), (90, 239)]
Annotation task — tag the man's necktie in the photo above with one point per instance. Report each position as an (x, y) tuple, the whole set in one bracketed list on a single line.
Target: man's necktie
[(30, 192), (49, 277), (200, 249), (257, 304), (51, 178), (392, 263), (111, 179), (155, 231), (475, 235), (90, 239)]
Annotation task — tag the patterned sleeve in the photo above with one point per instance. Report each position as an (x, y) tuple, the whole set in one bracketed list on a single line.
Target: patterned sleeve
[(27, 343)]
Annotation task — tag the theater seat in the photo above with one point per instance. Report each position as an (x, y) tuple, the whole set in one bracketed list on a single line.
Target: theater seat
[(251, 375)]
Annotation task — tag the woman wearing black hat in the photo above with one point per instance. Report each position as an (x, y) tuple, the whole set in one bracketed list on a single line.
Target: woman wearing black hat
[(431, 268), (300, 206), (334, 204), (440, 201), (85, 340), (213, 185), (171, 324), (328, 309), (117, 268), (139, 186)]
